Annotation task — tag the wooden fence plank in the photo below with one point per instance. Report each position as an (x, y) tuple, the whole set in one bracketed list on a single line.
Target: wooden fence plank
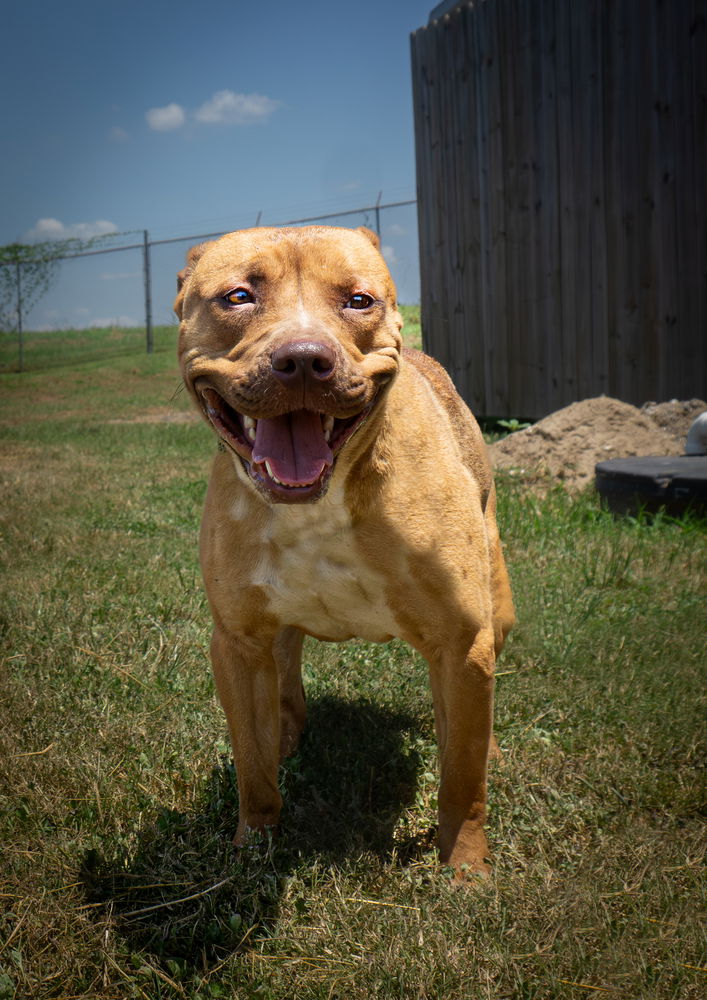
[(594, 377), (562, 199), (471, 345)]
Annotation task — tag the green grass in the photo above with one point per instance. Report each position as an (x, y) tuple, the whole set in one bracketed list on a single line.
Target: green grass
[(117, 796), (412, 330)]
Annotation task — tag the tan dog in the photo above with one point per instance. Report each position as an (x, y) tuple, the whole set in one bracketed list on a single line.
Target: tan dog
[(352, 497)]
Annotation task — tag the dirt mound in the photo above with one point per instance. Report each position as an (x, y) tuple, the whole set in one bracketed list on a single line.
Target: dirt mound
[(565, 446), (676, 416)]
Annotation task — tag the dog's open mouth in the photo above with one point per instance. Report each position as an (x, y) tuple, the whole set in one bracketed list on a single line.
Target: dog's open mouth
[(291, 457)]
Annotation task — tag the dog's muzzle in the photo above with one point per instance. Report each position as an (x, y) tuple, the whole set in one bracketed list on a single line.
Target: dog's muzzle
[(289, 457)]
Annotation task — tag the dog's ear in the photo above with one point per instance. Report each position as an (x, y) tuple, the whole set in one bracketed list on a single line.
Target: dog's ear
[(370, 235), (193, 255)]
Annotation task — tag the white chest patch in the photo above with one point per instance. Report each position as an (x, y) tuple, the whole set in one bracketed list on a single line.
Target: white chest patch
[(315, 578)]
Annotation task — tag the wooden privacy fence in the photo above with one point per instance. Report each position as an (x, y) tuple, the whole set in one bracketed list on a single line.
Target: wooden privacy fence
[(562, 199)]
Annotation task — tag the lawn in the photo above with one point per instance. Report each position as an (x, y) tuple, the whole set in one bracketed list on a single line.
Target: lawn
[(117, 798)]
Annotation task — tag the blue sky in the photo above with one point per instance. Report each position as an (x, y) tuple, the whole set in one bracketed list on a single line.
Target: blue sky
[(192, 117)]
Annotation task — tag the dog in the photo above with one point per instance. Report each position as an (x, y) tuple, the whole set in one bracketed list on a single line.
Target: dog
[(351, 496)]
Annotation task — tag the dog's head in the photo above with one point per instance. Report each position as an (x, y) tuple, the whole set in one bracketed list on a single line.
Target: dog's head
[(289, 339)]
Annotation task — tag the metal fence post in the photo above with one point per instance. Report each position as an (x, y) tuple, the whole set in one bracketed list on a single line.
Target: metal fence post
[(20, 338), (148, 290), (378, 214)]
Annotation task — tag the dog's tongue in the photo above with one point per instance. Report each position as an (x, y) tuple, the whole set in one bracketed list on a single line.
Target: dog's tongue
[(294, 446)]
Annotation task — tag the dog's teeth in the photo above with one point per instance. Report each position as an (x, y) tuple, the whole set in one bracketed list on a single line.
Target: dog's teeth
[(272, 475), (250, 426), (328, 426)]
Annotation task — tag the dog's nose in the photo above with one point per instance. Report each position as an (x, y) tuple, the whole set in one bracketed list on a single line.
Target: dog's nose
[(303, 360)]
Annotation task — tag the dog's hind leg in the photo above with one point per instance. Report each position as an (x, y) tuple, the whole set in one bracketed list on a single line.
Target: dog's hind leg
[(502, 598), (247, 684), (503, 610), (287, 650)]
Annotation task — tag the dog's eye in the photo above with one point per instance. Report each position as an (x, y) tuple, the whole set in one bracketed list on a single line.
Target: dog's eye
[(239, 297), (359, 301)]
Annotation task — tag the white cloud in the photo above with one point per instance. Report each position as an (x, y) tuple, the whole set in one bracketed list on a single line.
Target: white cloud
[(79, 318), (165, 119), (229, 108), (53, 229), (390, 255), (225, 107), (397, 230), (118, 134), (102, 321)]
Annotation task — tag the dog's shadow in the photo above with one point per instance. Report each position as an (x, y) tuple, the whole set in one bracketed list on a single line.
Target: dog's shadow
[(188, 896)]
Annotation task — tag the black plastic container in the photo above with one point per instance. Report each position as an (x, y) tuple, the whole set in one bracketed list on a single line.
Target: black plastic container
[(673, 483)]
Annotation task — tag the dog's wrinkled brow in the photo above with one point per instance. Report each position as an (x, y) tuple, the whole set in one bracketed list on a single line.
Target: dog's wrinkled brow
[(242, 270)]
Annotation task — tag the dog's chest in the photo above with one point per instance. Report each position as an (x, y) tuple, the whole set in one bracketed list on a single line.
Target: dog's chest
[(315, 578)]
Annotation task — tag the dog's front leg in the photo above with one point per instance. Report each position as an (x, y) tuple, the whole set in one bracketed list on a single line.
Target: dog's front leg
[(462, 690), (287, 650), (247, 684)]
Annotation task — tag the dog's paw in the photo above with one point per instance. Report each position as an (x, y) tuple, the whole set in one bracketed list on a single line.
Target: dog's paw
[(249, 838), (469, 874), (495, 753)]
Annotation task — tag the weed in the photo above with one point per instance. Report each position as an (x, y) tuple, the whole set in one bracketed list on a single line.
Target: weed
[(512, 424)]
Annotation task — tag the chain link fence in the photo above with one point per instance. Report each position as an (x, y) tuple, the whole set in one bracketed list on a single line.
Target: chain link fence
[(128, 280)]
